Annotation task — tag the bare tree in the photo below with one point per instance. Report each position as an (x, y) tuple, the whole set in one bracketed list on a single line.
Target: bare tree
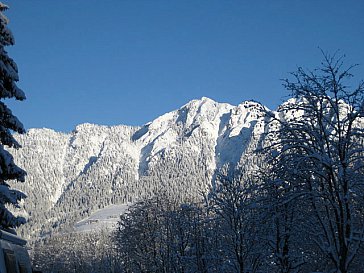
[(237, 225), (316, 141)]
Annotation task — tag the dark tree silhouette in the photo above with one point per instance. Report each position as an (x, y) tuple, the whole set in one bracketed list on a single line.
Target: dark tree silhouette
[(8, 123), (318, 150)]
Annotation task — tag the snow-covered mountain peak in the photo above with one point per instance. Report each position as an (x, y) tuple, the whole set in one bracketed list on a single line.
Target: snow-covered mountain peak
[(245, 115), (86, 127), (179, 152), (202, 111), (200, 101)]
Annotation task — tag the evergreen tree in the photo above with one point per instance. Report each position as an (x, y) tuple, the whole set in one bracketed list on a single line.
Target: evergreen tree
[(8, 123)]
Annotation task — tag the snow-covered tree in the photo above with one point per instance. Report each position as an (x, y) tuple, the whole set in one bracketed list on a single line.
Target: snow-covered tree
[(160, 235), (236, 222), (281, 221), (8, 123), (82, 252), (316, 141)]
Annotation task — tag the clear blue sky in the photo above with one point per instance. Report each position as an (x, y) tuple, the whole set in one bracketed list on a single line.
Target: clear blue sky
[(128, 61)]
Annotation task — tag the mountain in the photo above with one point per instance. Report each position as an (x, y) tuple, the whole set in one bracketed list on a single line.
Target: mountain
[(71, 175)]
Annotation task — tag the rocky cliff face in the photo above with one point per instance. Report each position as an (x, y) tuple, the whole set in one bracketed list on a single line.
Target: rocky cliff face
[(70, 175)]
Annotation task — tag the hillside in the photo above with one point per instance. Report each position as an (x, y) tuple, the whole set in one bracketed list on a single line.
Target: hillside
[(71, 175)]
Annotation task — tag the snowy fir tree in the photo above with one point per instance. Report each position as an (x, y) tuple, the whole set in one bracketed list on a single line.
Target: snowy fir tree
[(8, 123)]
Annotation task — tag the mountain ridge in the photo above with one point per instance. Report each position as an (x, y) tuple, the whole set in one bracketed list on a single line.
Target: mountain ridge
[(93, 166)]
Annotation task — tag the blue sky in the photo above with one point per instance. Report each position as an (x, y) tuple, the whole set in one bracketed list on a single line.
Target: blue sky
[(128, 61)]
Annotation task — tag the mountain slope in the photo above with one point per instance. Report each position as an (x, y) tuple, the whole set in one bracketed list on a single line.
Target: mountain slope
[(70, 175)]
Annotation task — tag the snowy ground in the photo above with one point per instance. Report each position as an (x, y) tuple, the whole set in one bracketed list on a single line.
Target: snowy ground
[(101, 219)]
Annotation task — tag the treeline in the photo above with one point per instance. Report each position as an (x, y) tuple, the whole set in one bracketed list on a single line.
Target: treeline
[(75, 252), (157, 235), (233, 230)]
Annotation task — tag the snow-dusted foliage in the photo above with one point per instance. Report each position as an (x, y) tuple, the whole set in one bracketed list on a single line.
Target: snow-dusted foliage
[(234, 218), (316, 148), (8, 123), (157, 235), (76, 253)]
